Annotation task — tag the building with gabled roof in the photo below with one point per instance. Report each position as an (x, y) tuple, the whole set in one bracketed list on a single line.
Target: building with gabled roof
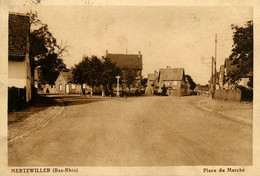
[(19, 64), (128, 61), (152, 83), (174, 81), (64, 83)]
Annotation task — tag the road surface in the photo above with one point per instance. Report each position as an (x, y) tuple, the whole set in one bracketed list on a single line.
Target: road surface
[(138, 131)]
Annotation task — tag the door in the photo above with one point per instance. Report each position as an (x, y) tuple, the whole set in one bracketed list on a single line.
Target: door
[(67, 88)]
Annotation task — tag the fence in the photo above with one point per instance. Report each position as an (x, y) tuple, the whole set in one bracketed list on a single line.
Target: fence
[(16, 98), (228, 94)]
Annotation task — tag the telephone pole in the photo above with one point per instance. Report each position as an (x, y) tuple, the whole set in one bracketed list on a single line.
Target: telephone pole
[(214, 69)]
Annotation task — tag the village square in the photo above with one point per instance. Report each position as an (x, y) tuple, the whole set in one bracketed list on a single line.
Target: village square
[(128, 107)]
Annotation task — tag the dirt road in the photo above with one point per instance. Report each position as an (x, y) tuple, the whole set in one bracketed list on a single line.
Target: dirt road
[(138, 131)]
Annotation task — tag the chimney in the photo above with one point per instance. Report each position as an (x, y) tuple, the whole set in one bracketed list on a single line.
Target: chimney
[(155, 72), (139, 54), (106, 52)]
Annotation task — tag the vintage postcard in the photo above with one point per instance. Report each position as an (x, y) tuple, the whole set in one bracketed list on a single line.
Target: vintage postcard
[(137, 88)]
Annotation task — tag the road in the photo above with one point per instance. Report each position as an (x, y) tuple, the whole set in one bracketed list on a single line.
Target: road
[(138, 131)]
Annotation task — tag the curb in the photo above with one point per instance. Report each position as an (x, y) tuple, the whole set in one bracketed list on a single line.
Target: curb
[(230, 117), (40, 126)]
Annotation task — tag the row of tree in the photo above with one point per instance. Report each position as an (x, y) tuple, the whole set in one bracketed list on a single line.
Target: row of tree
[(95, 71)]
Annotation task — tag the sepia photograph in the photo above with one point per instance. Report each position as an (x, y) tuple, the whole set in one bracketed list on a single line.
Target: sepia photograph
[(129, 86)]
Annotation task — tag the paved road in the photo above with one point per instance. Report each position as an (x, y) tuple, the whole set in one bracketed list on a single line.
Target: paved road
[(139, 131)]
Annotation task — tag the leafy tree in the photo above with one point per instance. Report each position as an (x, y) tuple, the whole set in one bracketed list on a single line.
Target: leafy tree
[(242, 53), (109, 73), (94, 72), (191, 82), (51, 66), (44, 50), (80, 71), (129, 76)]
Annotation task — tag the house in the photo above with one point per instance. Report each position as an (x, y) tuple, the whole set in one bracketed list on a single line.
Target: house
[(128, 61), (221, 77), (228, 68), (19, 64), (174, 80), (202, 89), (64, 84), (152, 83)]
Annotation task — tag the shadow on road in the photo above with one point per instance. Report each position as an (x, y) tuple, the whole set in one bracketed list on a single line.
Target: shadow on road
[(70, 100)]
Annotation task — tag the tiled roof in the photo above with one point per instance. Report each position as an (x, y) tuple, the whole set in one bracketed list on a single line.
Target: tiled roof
[(67, 76), (126, 60), (168, 74), (19, 31)]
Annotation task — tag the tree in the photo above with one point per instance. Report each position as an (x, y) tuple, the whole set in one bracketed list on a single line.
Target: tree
[(95, 72), (109, 73), (80, 72), (44, 50), (242, 53), (129, 77), (51, 66), (191, 82)]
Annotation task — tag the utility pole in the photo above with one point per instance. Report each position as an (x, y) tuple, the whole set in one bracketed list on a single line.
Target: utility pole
[(211, 78), (215, 59), (214, 69)]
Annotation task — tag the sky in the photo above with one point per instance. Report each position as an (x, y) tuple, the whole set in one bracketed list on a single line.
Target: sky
[(175, 36)]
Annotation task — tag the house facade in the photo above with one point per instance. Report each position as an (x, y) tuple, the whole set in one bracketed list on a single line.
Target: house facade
[(174, 81), (202, 89), (63, 84), (19, 64), (152, 83), (128, 61), (228, 68)]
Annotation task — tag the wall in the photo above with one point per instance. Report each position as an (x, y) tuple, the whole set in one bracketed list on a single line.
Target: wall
[(228, 94), (17, 74)]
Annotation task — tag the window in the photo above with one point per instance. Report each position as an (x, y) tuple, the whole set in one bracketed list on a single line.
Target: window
[(60, 87), (175, 83), (73, 86)]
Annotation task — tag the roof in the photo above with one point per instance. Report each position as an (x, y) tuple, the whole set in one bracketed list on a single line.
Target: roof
[(167, 74), (202, 88), (19, 31), (133, 61), (67, 76)]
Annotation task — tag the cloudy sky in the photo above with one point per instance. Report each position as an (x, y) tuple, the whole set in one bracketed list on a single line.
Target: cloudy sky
[(166, 36)]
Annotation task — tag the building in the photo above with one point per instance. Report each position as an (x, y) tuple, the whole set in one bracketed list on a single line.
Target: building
[(19, 64), (152, 83), (202, 89), (228, 68), (64, 84), (126, 62), (174, 80)]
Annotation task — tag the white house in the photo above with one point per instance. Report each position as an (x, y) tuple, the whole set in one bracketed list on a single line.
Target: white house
[(19, 65)]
